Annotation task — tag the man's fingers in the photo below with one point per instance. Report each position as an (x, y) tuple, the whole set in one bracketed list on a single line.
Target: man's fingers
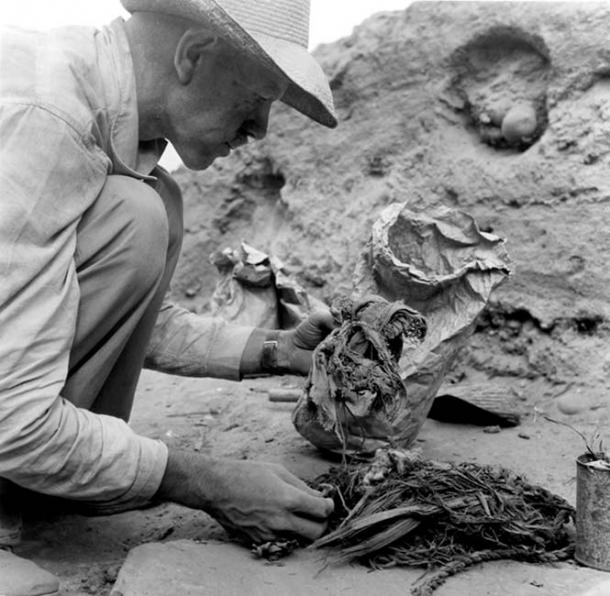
[(325, 320), (313, 330), (295, 481), (314, 507), (308, 528), (308, 501)]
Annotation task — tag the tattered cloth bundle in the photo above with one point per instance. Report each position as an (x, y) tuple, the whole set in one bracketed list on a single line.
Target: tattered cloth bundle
[(354, 394), (405, 511)]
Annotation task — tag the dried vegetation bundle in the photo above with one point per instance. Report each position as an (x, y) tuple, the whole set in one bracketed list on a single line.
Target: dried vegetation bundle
[(405, 511), (354, 394)]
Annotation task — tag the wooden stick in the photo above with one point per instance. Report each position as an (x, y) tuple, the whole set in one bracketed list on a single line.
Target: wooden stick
[(288, 396)]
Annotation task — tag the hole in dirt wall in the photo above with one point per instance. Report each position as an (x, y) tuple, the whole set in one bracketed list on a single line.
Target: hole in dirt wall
[(501, 79)]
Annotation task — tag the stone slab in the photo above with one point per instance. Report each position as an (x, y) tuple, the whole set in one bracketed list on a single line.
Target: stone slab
[(190, 568)]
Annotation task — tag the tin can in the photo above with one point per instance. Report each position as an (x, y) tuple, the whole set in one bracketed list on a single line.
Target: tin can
[(592, 514)]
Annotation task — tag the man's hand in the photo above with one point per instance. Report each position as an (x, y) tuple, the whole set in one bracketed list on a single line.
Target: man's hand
[(295, 347), (257, 501)]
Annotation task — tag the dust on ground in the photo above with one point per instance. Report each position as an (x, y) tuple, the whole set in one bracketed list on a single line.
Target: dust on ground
[(228, 419)]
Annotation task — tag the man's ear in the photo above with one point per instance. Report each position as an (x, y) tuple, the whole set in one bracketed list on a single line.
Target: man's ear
[(194, 45)]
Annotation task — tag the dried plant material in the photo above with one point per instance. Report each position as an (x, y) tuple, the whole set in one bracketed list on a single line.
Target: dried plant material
[(596, 453), (440, 263), (274, 550), (355, 391), (599, 464), (406, 511)]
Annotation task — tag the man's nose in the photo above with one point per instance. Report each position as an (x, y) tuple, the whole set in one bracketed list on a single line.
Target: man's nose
[(256, 125)]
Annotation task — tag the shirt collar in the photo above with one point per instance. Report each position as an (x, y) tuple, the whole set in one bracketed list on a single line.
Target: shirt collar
[(129, 156)]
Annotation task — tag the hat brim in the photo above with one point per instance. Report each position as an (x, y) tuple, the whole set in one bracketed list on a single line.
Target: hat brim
[(308, 90)]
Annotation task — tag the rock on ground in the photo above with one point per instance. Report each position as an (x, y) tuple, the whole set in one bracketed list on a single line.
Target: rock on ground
[(191, 569)]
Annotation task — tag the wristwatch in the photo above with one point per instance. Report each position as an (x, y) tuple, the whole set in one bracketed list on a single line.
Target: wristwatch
[(269, 362)]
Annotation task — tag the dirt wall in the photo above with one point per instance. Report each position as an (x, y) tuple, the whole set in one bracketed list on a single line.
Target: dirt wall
[(425, 99)]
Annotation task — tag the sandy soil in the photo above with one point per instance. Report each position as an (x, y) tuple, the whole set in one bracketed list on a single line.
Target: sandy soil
[(236, 420)]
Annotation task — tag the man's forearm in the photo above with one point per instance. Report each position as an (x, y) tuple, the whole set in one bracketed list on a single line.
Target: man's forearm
[(187, 344), (177, 480), (194, 480)]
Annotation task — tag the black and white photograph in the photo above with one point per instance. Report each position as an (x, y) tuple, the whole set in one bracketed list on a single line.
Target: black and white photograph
[(304, 298)]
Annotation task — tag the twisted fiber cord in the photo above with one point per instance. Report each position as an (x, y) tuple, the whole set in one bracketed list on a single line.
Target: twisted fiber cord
[(516, 553)]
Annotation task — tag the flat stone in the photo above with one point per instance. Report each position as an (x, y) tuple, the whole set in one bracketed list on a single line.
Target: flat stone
[(195, 569), (20, 577)]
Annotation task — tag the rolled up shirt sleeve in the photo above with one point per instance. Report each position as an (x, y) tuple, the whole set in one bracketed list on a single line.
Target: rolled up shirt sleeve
[(50, 173), (188, 344)]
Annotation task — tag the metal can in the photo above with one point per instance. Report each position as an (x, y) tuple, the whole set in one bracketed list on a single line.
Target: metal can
[(592, 513)]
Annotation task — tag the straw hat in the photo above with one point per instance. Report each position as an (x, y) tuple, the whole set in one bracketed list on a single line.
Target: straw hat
[(275, 32)]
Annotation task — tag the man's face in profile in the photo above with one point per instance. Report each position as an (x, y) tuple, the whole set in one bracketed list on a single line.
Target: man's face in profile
[(226, 102)]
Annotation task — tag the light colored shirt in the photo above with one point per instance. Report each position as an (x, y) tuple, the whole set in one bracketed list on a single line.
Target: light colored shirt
[(68, 119)]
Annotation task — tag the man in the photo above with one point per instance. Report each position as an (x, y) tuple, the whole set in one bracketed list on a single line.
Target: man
[(90, 231)]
